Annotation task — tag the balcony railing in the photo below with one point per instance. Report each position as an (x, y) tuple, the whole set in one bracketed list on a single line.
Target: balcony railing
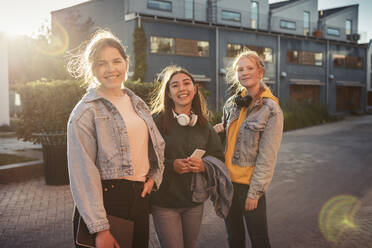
[(212, 13)]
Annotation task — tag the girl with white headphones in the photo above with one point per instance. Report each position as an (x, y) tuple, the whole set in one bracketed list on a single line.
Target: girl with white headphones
[(180, 116)]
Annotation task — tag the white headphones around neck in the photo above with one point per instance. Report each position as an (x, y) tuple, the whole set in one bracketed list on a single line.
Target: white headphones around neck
[(185, 120)]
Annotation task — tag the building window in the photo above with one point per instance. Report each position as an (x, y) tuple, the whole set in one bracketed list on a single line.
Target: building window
[(254, 15), (287, 24), (351, 62), (265, 53), (189, 9), (161, 45), (304, 58), (192, 47), (159, 5), (304, 93), (231, 16), (177, 46), (306, 23), (348, 27), (333, 32)]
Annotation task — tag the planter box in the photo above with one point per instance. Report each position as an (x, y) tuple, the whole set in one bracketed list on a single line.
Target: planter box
[(55, 157)]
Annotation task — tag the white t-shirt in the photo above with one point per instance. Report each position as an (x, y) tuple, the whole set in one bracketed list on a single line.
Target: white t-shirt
[(138, 136)]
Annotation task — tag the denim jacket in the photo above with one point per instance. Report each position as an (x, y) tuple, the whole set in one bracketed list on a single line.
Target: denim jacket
[(258, 139), (98, 149), (216, 185)]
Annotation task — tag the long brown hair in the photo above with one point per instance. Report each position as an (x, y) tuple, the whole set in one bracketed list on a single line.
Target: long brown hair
[(162, 104), (81, 65)]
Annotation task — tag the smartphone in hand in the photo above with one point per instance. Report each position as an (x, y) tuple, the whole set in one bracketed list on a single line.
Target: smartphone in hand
[(198, 153)]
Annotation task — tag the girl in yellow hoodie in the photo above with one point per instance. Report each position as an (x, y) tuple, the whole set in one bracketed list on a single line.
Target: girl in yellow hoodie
[(253, 123)]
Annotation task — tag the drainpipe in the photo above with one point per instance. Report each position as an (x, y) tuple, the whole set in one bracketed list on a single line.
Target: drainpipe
[(139, 22), (217, 71), (327, 75), (278, 67)]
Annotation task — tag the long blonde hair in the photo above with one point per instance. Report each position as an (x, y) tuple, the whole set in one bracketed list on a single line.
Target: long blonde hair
[(231, 72)]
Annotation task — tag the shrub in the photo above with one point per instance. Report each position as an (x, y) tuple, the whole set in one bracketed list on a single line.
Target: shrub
[(304, 114), (46, 106), (140, 48), (5, 128), (215, 117), (142, 89)]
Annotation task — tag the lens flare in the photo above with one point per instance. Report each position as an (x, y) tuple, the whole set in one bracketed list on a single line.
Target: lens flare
[(60, 41), (337, 216)]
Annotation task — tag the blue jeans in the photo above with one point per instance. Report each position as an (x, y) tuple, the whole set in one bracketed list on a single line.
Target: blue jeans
[(255, 220), (177, 227)]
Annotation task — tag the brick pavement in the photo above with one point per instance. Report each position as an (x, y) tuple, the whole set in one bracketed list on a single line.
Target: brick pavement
[(33, 214), (314, 165)]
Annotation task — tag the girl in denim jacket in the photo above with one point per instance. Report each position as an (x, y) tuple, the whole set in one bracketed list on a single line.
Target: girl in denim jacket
[(253, 124), (115, 151)]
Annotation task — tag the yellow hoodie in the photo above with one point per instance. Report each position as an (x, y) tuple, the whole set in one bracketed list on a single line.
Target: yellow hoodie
[(241, 174)]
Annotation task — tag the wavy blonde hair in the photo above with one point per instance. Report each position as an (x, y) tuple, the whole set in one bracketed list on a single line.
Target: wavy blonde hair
[(232, 74)]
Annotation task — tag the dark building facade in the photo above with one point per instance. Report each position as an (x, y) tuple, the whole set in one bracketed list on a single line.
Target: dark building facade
[(302, 61)]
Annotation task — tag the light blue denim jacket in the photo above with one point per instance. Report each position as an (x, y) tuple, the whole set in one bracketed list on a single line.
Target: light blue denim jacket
[(258, 140), (98, 149)]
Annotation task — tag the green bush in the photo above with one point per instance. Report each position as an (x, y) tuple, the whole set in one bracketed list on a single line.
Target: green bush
[(5, 128), (304, 114), (142, 89), (215, 117), (46, 106), (296, 115), (140, 52)]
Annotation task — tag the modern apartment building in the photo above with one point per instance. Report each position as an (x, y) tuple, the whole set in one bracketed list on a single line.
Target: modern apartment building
[(303, 62)]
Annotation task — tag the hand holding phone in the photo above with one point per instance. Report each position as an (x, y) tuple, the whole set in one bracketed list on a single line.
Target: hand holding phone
[(198, 153), (195, 161)]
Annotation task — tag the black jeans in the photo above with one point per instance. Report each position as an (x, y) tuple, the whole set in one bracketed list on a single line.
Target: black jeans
[(122, 198), (255, 220)]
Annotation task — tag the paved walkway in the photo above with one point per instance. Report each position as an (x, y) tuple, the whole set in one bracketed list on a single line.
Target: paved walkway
[(321, 196)]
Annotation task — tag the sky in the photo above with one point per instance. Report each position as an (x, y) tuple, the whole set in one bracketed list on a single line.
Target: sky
[(26, 16)]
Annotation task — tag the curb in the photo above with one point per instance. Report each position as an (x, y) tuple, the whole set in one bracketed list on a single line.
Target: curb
[(21, 172)]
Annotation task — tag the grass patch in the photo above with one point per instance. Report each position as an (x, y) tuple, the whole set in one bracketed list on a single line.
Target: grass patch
[(6, 159)]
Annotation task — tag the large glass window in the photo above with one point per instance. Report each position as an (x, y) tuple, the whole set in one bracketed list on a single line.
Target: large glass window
[(178, 46), (231, 16), (265, 53), (306, 22), (189, 9), (304, 58), (159, 5), (348, 27), (287, 24), (161, 45), (254, 15), (333, 32), (344, 61), (192, 47), (307, 93)]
